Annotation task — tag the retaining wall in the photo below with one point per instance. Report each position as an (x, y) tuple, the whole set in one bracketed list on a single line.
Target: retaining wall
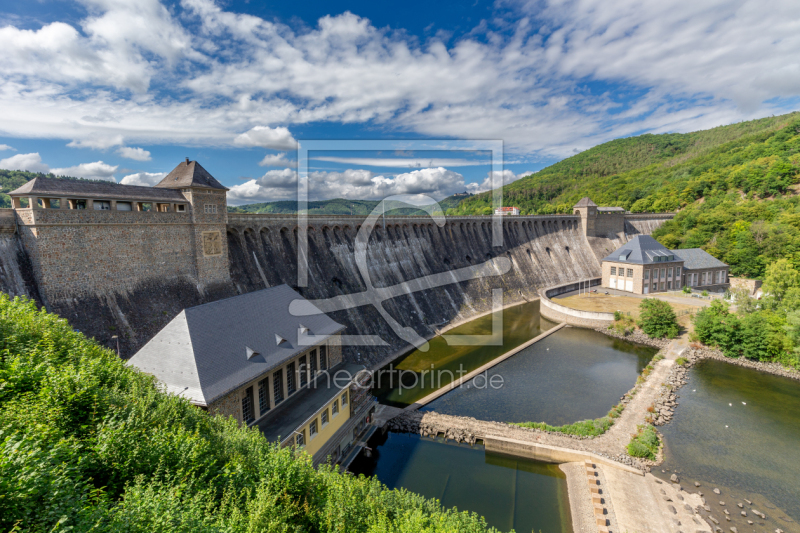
[(561, 313)]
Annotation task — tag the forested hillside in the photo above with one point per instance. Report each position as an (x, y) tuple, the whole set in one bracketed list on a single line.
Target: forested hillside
[(338, 206), (662, 172)]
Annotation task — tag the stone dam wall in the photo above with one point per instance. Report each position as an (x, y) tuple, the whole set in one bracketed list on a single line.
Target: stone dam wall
[(130, 280), (543, 251)]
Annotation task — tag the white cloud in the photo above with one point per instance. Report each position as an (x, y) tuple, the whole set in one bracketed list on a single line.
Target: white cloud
[(277, 160), (545, 77), (30, 162), (96, 171), (97, 142), (352, 183), (411, 162), (496, 178), (4, 147), (137, 154), (144, 179), (265, 137)]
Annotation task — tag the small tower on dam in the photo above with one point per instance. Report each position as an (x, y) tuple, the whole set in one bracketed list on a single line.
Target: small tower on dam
[(600, 221)]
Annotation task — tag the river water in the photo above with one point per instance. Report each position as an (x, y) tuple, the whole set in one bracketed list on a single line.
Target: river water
[(738, 429), (521, 323), (509, 492), (573, 374)]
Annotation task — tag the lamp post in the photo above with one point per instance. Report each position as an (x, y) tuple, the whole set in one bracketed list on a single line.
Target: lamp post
[(117, 338)]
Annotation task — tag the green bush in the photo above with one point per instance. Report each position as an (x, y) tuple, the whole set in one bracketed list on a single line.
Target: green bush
[(645, 443), (657, 319), (681, 361), (87, 443), (704, 293), (584, 428), (687, 290), (618, 315)]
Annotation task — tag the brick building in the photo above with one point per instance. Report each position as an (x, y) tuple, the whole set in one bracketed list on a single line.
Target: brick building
[(644, 266), (248, 357)]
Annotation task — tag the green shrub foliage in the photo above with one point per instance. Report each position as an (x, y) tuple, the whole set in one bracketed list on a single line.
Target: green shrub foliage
[(645, 443), (89, 444), (657, 319)]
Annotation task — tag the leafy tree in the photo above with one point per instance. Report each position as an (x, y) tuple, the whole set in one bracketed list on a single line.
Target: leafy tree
[(780, 277), (762, 336), (715, 325), (657, 318)]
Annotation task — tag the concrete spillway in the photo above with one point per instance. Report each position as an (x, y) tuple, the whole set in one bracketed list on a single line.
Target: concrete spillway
[(542, 251), (16, 275)]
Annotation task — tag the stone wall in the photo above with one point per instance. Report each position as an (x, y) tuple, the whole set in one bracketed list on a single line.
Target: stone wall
[(542, 250), (561, 313)]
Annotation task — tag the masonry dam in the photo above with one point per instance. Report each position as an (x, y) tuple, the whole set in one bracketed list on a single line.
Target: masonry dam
[(128, 274)]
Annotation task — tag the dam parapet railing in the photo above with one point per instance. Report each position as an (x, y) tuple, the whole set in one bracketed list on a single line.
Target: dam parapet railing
[(561, 313)]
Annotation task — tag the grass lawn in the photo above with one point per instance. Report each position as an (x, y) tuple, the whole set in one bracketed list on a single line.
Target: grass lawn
[(627, 304)]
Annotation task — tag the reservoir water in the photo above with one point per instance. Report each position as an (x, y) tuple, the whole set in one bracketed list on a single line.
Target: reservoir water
[(521, 323), (508, 491), (573, 374), (739, 430)]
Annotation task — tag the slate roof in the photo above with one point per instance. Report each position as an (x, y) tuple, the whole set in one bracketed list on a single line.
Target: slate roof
[(303, 404), (54, 187), (698, 259), (585, 202), (190, 174), (641, 250), (203, 353)]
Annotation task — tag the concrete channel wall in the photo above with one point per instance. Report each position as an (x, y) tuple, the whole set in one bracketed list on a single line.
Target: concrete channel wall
[(551, 310)]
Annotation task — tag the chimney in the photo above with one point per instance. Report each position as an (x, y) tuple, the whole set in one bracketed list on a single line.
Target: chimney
[(187, 160)]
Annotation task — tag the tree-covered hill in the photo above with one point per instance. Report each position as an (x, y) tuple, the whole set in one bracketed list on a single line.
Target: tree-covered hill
[(661, 173), (338, 206)]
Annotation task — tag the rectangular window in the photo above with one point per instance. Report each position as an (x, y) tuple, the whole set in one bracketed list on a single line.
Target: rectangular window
[(312, 429), (677, 271), (180, 208), (300, 438), (303, 372), (663, 274), (335, 407), (669, 285), (655, 286), (247, 405), (646, 275), (344, 399), (210, 209), (662, 285), (323, 357), (669, 272), (263, 396), (313, 358), (630, 272), (291, 385), (613, 271), (124, 206), (277, 386), (324, 418), (102, 205)]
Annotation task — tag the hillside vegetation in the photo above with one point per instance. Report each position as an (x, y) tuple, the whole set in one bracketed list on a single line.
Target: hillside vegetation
[(89, 444), (662, 172), (338, 206)]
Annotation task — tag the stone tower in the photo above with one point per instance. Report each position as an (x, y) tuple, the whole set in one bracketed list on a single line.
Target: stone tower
[(587, 209), (209, 216)]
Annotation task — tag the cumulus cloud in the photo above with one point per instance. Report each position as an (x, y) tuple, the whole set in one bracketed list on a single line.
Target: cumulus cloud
[(545, 76), (137, 154), (97, 142), (30, 162), (4, 147), (352, 183), (144, 179), (95, 171), (496, 179), (277, 160), (265, 137)]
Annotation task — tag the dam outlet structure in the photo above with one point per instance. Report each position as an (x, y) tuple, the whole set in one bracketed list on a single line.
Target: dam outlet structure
[(119, 262)]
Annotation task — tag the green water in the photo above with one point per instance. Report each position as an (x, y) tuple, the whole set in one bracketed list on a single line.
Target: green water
[(521, 323), (739, 430), (509, 492), (573, 374)]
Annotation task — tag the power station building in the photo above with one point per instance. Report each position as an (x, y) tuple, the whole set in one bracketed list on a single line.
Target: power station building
[(249, 358), (645, 266)]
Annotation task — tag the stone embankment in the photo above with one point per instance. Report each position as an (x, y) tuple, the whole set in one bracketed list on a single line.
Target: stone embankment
[(696, 354)]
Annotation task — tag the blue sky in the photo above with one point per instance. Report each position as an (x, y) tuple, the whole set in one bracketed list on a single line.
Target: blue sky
[(121, 90)]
